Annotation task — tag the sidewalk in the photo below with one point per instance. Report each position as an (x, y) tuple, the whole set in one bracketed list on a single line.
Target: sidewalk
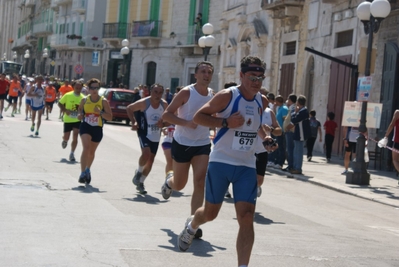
[(383, 186)]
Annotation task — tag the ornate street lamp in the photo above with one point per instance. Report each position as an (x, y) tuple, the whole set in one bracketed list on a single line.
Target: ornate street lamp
[(125, 52), (26, 56), (207, 41), (371, 13), (45, 56), (14, 55)]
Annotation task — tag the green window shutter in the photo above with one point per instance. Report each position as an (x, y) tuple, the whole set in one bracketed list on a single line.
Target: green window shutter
[(81, 29), (205, 11), (19, 32), (40, 44), (73, 27), (191, 19), (56, 28), (154, 16), (123, 10)]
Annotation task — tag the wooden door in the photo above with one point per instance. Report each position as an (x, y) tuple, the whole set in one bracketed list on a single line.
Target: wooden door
[(286, 80), (389, 97), (339, 92)]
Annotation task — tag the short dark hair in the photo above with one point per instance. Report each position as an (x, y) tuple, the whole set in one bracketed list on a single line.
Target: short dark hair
[(301, 100), (229, 84), (205, 63), (313, 113), (178, 88), (331, 115), (91, 81), (156, 85), (292, 97), (279, 99), (248, 60), (270, 96)]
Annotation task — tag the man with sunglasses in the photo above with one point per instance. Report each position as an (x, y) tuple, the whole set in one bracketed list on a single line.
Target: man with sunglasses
[(232, 160), (69, 105)]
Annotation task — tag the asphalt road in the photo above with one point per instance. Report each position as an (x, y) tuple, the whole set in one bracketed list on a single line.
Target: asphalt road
[(49, 219)]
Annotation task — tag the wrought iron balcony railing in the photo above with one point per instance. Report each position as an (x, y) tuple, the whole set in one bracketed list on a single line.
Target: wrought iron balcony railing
[(116, 30), (147, 28)]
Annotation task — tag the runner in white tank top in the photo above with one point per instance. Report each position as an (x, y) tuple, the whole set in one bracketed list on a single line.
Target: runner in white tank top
[(191, 143)]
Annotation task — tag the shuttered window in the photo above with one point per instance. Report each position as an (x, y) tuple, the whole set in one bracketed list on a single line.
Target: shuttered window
[(344, 38)]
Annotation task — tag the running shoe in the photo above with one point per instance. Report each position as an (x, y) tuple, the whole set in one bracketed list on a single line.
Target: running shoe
[(26, 118), (136, 178), (198, 233), (64, 144), (166, 190), (1, 116), (46, 118), (88, 176), (344, 172), (32, 128), (141, 188), (83, 178), (259, 191), (19, 111), (72, 157), (37, 133), (185, 238), (12, 115)]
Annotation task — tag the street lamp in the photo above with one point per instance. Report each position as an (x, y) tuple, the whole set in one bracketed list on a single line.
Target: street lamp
[(371, 13), (14, 55), (4, 56), (125, 52), (26, 56), (45, 56), (207, 41)]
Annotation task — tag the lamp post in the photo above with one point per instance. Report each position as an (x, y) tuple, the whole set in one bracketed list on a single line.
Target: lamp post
[(207, 41), (45, 56), (14, 55), (125, 52), (371, 13), (26, 56), (4, 57)]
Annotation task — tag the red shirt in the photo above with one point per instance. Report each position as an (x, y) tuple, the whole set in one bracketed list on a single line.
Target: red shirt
[(3, 86), (330, 127)]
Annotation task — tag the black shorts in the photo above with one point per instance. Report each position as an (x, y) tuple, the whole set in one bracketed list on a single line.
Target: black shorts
[(395, 145), (50, 104), (183, 154), (261, 162), (68, 127), (351, 147), (96, 132), (13, 99), (145, 142), (3, 96)]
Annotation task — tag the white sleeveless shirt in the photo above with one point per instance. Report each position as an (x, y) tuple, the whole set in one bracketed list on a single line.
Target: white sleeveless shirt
[(152, 116), (38, 101), (236, 146), (187, 136)]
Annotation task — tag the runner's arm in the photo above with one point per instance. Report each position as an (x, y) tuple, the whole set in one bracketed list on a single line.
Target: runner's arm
[(392, 124)]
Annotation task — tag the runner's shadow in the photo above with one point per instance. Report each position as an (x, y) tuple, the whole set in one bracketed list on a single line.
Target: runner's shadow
[(258, 218), (33, 136), (64, 160), (145, 199), (198, 248), (87, 189)]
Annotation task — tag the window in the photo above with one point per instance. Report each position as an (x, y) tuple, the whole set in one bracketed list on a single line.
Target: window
[(344, 39), (290, 48)]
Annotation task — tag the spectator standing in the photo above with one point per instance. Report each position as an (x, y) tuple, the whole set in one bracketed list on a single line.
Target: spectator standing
[(279, 154), (350, 146), (315, 128), (168, 96), (289, 132), (299, 120), (329, 127)]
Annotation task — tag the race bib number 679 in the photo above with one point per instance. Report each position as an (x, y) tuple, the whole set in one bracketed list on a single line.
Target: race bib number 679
[(243, 141)]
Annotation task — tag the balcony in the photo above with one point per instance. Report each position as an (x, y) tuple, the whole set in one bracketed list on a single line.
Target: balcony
[(59, 40), (147, 31), (30, 3), (116, 31), (41, 29), (278, 4), (286, 8), (79, 6)]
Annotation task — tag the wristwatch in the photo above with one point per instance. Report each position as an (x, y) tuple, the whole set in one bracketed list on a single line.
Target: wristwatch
[(224, 123)]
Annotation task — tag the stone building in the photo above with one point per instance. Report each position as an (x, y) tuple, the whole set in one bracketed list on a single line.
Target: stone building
[(162, 41)]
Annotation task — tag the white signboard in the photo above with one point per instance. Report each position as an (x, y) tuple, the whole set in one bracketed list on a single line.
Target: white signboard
[(363, 88), (95, 58), (116, 55), (353, 111)]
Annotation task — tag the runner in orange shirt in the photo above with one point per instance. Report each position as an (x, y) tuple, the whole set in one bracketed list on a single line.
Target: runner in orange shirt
[(51, 95), (15, 87), (3, 92), (65, 88)]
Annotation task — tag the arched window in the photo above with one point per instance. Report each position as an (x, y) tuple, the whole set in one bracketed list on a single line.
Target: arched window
[(151, 73)]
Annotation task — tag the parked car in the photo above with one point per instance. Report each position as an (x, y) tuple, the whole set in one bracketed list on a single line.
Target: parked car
[(118, 100)]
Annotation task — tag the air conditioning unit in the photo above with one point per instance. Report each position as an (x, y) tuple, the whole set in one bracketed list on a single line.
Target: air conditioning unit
[(337, 16), (348, 14)]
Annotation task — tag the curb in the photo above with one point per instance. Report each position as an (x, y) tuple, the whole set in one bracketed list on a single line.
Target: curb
[(339, 189)]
